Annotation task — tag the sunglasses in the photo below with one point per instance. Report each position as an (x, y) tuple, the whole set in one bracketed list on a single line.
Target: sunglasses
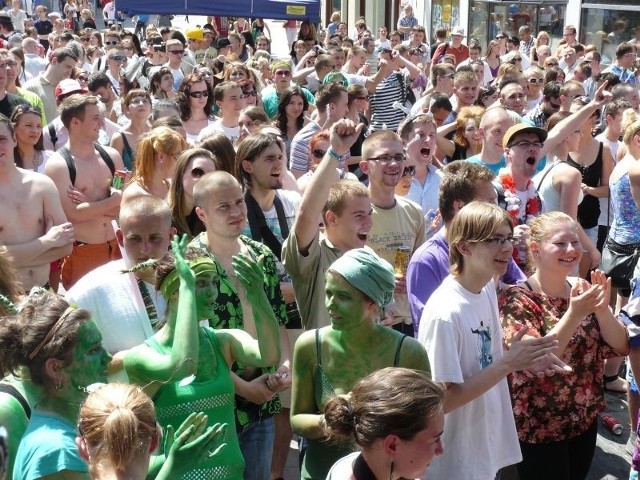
[(82, 78), (203, 93), (283, 73), (363, 98), (177, 52), (85, 39), (113, 42), (536, 80), (139, 101), (252, 93), (197, 172), (409, 171), (318, 152), (119, 58)]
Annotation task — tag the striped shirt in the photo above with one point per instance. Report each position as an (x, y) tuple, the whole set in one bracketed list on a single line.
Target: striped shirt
[(390, 90)]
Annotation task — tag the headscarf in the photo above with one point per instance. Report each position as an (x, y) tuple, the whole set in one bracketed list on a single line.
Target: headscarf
[(367, 272)]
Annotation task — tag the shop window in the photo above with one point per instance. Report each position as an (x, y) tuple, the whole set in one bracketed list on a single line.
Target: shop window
[(606, 29), (445, 14)]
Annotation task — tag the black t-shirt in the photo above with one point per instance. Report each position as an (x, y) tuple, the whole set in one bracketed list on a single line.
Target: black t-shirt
[(9, 102), (44, 27)]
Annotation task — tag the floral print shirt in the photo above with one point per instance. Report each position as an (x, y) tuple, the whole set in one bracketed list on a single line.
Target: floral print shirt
[(563, 406), (229, 315)]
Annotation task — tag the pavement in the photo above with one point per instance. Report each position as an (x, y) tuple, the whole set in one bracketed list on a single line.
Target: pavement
[(610, 462)]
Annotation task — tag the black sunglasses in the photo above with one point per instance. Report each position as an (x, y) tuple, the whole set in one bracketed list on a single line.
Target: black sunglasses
[(197, 172), (318, 152), (204, 93), (410, 171)]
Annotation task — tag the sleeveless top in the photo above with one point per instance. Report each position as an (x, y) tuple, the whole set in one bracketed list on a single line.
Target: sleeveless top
[(625, 228), (321, 455), (548, 194), (589, 208), (128, 155), (213, 396)]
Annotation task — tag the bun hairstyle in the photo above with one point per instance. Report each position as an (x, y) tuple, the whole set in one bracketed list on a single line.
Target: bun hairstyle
[(630, 125), (117, 422), (393, 400), (46, 327)]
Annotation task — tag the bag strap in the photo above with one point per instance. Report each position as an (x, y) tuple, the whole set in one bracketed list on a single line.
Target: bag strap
[(106, 158), (260, 231), (545, 175), (66, 154), (13, 391)]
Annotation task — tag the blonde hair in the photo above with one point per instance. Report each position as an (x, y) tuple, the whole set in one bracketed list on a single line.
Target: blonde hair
[(474, 223), (161, 140), (117, 422), (466, 113), (630, 125), (543, 226)]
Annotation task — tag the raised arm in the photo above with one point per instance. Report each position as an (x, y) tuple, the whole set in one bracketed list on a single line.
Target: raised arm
[(343, 135)]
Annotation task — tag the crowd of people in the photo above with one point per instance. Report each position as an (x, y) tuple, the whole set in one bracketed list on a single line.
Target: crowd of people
[(414, 257)]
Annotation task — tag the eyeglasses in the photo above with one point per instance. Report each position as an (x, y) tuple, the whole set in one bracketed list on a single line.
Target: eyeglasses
[(448, 75), (399, 158), (536, 80), (203, 93), (139, 101), (283, 73), (197, 172), (409, 171), (515, 60), (177, 52), (318, 152), (119, 58), (252, 93), (501, 241), (524, 144), (111, 42)]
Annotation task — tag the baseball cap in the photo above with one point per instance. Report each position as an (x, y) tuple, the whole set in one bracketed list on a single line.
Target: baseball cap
[(195, 33), (67, 87), (54, 15), (522, 128), (223, 43), (458, 31)]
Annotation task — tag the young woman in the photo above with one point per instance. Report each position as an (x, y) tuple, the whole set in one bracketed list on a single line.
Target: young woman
[(162, 84), (359, 286), (185, 364), (118, 432), (560, 435), (196, 105), (137, 107), (542, 39), (61, 349), (467, 137), (493, 57), (290, 119), (191, 165), (29, 152), (396, 417), (154, 164)]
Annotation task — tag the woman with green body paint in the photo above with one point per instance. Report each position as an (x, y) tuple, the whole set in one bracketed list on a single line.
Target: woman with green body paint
[(186, 367), (329, 361)]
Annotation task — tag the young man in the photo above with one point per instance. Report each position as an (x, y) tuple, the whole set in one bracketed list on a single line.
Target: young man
[(494, 124), (61, 65), (221, 206), (33, 228), (623, 66), (550, 104), (128, 302), (526, 39), (43, 25), (101, 86), (346, 212), (465, 92), (282, 80), (228, 98), (175, 52), (83, 172), (455, 48), (460, 329), (398, 223), (513, 97), (569, 91)]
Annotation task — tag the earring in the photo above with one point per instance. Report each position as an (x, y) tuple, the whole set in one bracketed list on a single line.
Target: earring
[(58, 386)]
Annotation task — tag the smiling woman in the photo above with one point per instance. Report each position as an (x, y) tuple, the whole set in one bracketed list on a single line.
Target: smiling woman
[(61, 350)]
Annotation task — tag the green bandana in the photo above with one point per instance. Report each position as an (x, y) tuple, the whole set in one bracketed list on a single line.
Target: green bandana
[(171, 282), (367, 272)]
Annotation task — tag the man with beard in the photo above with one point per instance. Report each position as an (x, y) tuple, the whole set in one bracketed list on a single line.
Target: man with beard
[(398, 223)]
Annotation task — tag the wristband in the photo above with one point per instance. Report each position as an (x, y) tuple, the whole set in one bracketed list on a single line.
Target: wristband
[(333, 153)]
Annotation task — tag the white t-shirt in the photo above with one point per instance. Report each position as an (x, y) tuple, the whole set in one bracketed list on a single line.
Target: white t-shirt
[(462, 335), (232, 133), (116, 305)]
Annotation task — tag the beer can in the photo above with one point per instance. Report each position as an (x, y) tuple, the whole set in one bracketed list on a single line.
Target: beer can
[(119, 177), (612, 424), (401, 261)]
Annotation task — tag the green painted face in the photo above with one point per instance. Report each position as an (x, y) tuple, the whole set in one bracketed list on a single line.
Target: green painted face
[(207, 284), (90, 361), (348, 307)]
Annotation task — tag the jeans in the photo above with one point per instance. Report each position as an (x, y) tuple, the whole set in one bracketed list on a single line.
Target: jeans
[(256, 443)]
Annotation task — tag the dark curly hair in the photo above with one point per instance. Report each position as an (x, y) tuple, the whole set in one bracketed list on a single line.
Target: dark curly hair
[(185, 90)]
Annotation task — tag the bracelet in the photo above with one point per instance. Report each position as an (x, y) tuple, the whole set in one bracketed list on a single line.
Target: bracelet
[(334, 154)]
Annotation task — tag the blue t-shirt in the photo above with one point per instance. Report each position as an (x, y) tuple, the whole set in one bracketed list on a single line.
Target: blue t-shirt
[(495, 167), (47, 447)]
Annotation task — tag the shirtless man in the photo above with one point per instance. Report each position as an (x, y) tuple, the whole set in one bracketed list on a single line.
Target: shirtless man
[(83, 172), (33, 225)]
